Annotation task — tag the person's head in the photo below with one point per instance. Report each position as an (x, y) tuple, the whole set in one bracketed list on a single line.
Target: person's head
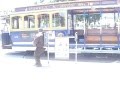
[(40, 30)]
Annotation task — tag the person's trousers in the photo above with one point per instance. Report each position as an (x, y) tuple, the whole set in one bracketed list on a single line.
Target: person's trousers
[(37, 55), (37, 60)]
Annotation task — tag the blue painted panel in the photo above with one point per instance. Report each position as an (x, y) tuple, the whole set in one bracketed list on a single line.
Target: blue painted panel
[(22, 36), (23, 45), (61, 33), (15, 36)]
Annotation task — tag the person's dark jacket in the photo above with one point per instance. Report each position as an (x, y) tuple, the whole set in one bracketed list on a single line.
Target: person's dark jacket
[(39, 42)]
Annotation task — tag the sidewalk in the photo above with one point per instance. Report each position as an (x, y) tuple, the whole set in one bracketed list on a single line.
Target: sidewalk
[(58, 75)]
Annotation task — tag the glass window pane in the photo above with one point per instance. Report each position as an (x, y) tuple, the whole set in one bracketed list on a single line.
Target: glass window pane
[(43, 21), (16, 22), (107, 21), (29, 21), (93, 21), (117, 20), (89, 21), (58, 20), (79, 21)]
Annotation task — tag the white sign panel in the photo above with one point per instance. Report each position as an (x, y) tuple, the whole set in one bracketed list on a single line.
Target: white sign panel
[(62, 48)]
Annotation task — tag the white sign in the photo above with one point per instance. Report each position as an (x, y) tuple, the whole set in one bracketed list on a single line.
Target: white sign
[(62, 48)]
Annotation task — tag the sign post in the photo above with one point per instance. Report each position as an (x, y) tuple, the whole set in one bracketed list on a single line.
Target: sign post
[(76, 37)]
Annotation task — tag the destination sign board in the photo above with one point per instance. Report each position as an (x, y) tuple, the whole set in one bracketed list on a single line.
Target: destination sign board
[(65, 5)]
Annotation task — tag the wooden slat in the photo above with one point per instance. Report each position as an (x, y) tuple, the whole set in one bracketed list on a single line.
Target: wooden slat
[(93, 32), (92, 39), (109, 39), (109, 32), (105, 39)]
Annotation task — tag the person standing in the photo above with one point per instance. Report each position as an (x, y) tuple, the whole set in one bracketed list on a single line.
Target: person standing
[(39, 44)]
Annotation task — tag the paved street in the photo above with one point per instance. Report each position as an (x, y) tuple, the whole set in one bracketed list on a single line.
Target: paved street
[(18, 73)]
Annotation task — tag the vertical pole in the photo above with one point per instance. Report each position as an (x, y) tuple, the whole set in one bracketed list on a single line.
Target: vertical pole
[(84, 30), (36, 21), (73, 22), (48, 47), (68, 29), (118, 22), (76, 46), (118, 28), (100, 29), (50, 20)]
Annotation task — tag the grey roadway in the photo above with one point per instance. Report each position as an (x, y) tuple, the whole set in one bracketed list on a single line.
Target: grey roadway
[(18, 73)]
